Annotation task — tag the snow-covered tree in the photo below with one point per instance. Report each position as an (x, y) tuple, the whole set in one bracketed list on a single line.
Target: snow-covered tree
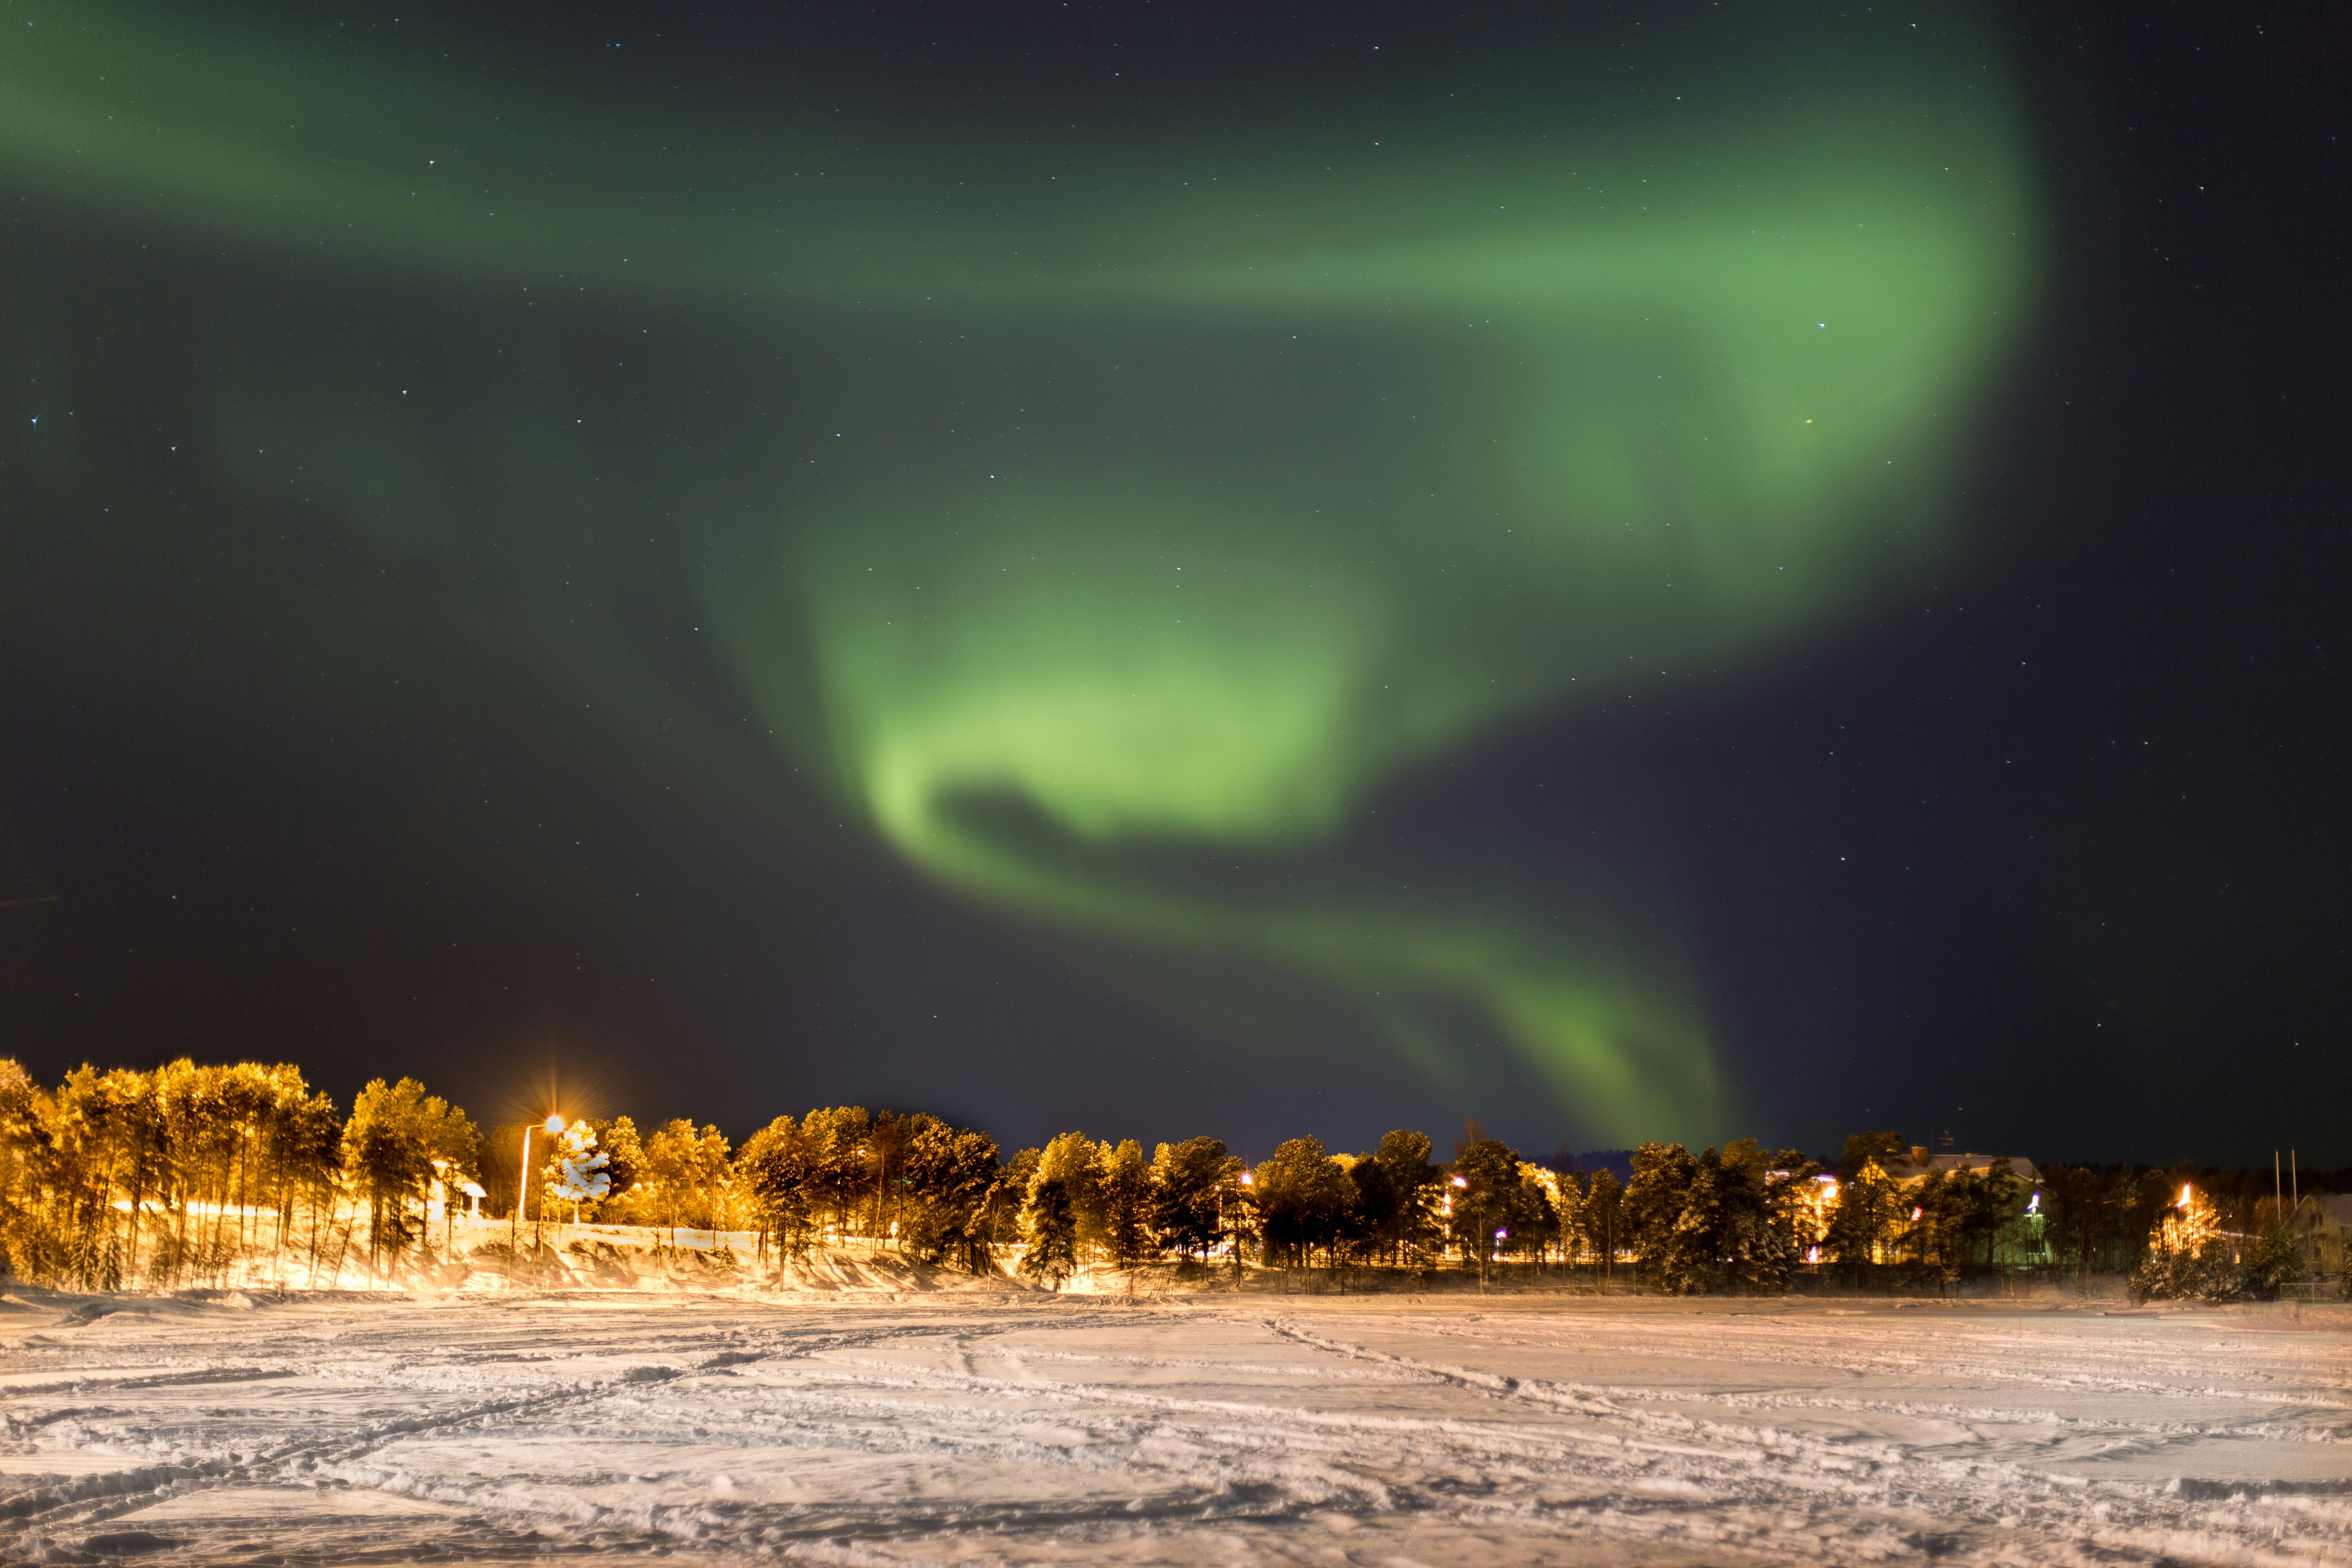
[(579, 1176)]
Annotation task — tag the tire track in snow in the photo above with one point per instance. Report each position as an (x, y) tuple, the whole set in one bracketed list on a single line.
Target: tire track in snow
[(2091, 1519), (61, 1503), (2266, 1430), (1211, 1429)]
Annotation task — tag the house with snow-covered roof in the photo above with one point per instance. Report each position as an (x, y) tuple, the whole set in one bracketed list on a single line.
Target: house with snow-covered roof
[(1921, 1164), (2322, 1222)]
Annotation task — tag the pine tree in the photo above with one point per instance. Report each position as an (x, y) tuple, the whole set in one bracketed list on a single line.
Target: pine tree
[(688, 1177), (1070, 1161), (714, 1193), (1568, 1195), (24, 1242), (1303, 1196), (2185, 1256), (1189, 1185), (1051, 1223), (1534, 1224), (1603, 1217), (1869, 1207), (839, 1167), (1124, 1179), (772, 1168), (1397, 1189), (625, 1155), (952, 1179), (395, 1133), (1652, 1205), (1486, 1193)]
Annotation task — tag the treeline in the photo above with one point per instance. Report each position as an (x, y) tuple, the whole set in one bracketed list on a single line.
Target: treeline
[(2192, 1256), (176, 1175), (2103, 1219)]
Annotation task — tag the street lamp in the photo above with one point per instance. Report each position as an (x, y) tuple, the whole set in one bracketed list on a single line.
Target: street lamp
[(1234, 1227), (555, 1125)]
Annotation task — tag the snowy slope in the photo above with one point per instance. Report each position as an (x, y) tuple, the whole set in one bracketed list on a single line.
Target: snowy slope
[(1011, 1429)]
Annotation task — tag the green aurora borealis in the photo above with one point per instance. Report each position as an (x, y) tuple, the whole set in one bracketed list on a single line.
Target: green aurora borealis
[(1174, 495)]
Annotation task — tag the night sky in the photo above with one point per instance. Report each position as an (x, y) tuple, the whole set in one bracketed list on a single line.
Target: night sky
[(1660, 572)]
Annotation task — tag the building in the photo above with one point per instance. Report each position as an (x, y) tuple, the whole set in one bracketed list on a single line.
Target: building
[(1923, 1164), (2323, 1224)]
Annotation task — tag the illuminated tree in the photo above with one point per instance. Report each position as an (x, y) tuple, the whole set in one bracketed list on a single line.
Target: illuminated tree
[(1303, 1198), (838, 1167), (394, 1133), (1567, 1196), (1662, 1174), (952, 1181), (1727, 1231), (1069, 1161), (689, 1176), (1602, 1217), (1869, 1209), (25, 1242), (1486, 1199), (1124, 1181), (1397, 1190), (772, 1168), (1189, 1182), (1050, 1225), (1872, 1148), (1534, 1223), (109, 1135), (580, 1177), (2187, 1257), (624, 1163), (1788, 1220)]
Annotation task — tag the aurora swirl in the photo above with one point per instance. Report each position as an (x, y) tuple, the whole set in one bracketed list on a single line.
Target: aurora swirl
[(1170, 504)]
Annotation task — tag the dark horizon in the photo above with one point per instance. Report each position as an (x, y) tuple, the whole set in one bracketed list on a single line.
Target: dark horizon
[(530, 728)]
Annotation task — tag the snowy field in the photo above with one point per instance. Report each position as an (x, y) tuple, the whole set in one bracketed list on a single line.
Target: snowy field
[(1009, 1427)]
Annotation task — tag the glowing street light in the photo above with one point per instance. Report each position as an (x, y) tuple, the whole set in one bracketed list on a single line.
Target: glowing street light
[(1231, 1227), (555, 1125)]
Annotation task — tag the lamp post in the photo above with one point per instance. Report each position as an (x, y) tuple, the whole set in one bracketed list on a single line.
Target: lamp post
[(1249, 1179), (555, 1125)]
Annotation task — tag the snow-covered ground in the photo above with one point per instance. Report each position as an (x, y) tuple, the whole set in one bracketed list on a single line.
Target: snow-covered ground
[(1007, 1426)]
